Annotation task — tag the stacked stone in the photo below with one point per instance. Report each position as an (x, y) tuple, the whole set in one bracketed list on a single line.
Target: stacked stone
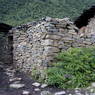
[(36, 44)]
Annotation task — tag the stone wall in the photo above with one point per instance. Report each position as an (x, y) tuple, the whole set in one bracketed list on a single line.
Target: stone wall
[(37, 43)]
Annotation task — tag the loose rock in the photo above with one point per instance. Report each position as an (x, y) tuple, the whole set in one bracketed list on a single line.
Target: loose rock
[(16, 86), (36, 84), (25, 92), (60, 93), (36, 89), (44, 85), (46, 93), (13, 79)]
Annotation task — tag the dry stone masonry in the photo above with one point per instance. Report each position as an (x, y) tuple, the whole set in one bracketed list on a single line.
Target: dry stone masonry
[(36, 44)]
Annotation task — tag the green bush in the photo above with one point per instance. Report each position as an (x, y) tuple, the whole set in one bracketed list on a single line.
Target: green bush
[(74, 68)]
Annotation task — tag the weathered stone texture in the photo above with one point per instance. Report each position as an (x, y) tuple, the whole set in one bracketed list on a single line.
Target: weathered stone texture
[(36, 44)]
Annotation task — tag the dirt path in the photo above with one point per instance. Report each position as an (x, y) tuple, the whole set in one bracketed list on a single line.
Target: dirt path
[(7, 73)]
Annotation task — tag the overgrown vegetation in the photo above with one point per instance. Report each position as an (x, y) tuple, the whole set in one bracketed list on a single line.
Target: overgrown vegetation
[(16, 12), (74, 68)]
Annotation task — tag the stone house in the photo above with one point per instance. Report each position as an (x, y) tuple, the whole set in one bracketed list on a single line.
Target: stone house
[(34, 45)]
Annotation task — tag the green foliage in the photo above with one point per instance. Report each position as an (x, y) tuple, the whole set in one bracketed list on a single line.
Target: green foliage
[(73, 68), (38, 75), (17, 12)]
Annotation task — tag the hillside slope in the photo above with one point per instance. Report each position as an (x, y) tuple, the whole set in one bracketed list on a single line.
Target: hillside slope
[(16, 12)]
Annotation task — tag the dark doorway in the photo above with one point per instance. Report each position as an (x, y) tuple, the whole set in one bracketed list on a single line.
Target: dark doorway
[(85, 17), (6, 44)]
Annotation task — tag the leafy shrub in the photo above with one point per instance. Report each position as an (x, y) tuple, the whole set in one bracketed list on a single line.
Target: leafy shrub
[(73, 68), (38, 74)]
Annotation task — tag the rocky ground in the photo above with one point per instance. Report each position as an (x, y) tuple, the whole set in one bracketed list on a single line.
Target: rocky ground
[(13, 82)]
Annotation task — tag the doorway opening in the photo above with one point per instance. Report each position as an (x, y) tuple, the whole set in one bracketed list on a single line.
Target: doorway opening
[(6, 44), (85, 17)]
